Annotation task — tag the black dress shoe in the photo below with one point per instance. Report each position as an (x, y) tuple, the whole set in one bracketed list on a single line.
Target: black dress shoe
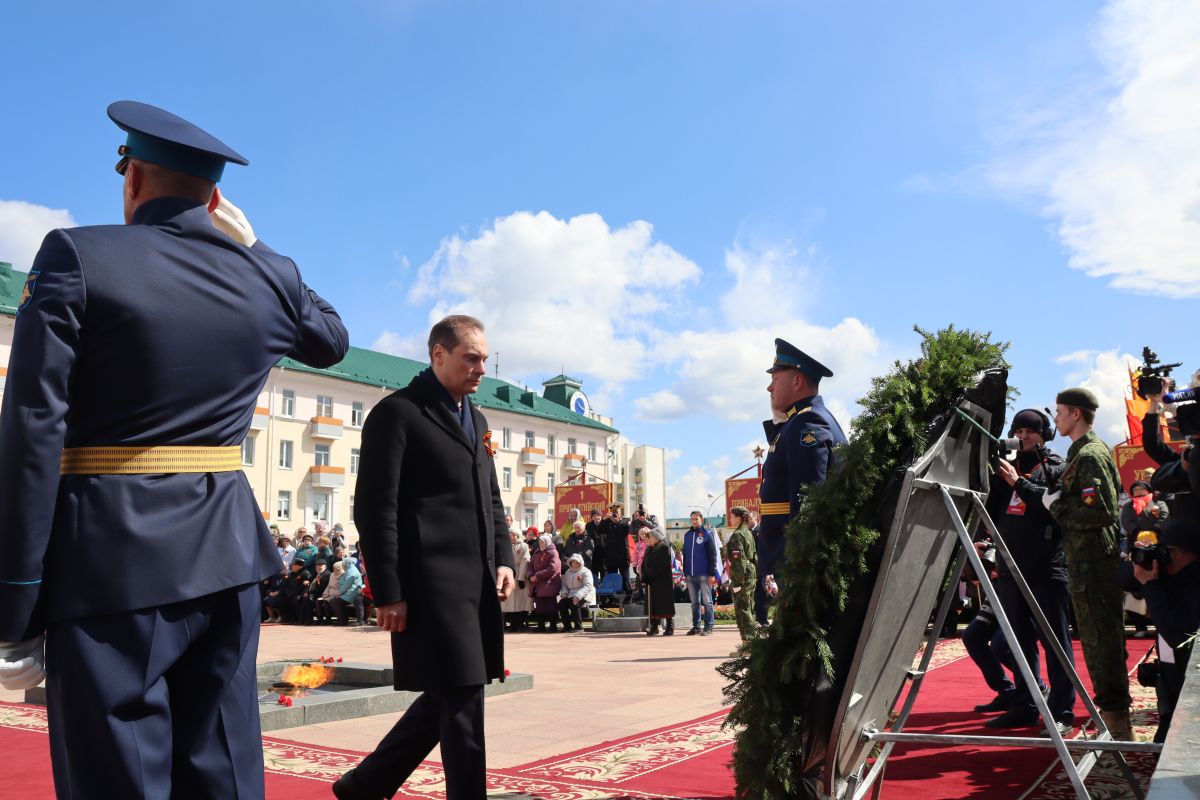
[(1014, 719), (998, 703)]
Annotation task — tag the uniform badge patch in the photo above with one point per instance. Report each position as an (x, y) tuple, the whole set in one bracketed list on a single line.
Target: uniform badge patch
[(1088, 495), (27, 291), (808, 439)]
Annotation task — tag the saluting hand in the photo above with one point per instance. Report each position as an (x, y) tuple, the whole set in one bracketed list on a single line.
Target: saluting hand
[(392, 616), (506, 582)]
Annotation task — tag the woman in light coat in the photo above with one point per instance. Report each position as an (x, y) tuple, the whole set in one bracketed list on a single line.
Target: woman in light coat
[(577, 593), (518, 605)]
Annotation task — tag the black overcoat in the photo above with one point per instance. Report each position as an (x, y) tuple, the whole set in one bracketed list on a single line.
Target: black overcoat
[(432, 532), (656, 572)]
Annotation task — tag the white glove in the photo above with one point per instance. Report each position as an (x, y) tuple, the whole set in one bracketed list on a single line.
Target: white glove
[(23, 664), (1050, 498), (230, 220)]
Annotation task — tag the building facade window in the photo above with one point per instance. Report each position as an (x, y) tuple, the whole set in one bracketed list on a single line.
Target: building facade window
[(283, 506), (285, 454), (248, 451), (321, 455), (550, 481), (571, 445), (529, 439), (529, 479), (506, 479), (357, 414), (324, 405), (354, 454), (287, 403), (506, 438), (530, 518), (591, 452), (320, 505), (550, 445)]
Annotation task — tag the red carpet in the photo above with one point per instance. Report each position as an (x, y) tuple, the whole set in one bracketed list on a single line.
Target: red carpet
[(945, 706), (685, 761)]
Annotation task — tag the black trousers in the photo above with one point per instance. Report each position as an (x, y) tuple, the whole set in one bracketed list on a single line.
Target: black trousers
[(452, 718), (161, 702), (1052, 597)]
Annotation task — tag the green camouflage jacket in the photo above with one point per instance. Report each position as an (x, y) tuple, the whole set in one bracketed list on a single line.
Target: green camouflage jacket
[(742, 556), (1090, 487)]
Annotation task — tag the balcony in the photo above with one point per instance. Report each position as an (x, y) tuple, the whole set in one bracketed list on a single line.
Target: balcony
[(326, 477), (534, 494), (532, 456), (574, 462), (326, 428), (261, 416)]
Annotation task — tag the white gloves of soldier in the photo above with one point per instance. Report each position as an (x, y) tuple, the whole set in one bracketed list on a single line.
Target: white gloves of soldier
[(230, 220), (1050, 498), (23, 664)]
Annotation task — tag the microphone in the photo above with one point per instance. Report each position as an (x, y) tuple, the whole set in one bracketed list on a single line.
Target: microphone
[(1181, 396)]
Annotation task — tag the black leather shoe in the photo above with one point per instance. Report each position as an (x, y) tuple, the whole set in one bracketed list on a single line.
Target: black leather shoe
[(1014, 719), (998, 703)]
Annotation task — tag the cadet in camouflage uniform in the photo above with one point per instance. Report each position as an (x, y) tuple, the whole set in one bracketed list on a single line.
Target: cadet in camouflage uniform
[(741, 555), (1085, 507)]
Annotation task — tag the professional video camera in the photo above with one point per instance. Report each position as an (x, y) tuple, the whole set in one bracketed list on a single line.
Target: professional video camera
[(1152, 374), (1146, 550)]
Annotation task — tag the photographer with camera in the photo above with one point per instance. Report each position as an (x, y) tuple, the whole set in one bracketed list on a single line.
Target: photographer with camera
[(1170, 576), (1172, 478), (1035, 542)]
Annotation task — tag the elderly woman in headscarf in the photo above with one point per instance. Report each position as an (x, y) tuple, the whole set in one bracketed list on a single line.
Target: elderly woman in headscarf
[(349, 592), (325, 601), (517, 606), (577, 593), (656, 577), (545, 579)]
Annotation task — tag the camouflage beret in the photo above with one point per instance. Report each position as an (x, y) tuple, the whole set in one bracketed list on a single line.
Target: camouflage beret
[(1078, 397)]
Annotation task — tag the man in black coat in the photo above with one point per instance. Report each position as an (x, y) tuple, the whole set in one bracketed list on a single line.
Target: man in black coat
[(614, 533), (435, 544)]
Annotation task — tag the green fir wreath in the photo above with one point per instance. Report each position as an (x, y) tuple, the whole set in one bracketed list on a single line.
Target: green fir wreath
[(770, 679)]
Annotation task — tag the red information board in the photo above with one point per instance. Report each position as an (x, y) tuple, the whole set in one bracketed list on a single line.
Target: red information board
[(742, 489), (1134, 464), (584, 496)]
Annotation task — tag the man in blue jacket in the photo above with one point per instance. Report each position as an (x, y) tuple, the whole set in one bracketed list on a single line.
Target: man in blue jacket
[(139, 352), (701, 562)]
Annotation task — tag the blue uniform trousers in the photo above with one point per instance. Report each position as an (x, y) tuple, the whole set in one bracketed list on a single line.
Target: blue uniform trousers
[(156, 703)]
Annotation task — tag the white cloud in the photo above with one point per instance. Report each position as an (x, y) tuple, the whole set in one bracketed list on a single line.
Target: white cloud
[(721, 370), (22, 228), (1106, 374), (662, 405), (1118, 169), (702, 486), (556, 293), (414, 347)]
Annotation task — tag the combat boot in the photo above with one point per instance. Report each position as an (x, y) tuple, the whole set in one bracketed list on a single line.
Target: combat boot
[(670, 629), (1118, 724), (653, 629)]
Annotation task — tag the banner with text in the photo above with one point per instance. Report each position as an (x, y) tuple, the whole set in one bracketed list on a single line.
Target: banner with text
[(583, 496), (1134, 464), (742, 492)]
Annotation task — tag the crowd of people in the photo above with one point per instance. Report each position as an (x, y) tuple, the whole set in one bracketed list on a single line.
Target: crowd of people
[(563, 573), (321, 580)]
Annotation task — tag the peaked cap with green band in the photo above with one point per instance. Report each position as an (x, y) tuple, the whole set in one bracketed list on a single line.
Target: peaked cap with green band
[(159, 137)]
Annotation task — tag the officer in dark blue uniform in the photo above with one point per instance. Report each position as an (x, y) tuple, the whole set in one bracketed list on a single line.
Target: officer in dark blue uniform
[(802, 435), (138, 356)]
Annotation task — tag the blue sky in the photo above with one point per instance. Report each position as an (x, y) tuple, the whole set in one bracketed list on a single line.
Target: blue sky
[(645, 194)]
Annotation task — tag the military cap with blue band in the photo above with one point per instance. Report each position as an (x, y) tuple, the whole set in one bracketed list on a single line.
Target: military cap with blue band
[(160, 137), (788, 356)]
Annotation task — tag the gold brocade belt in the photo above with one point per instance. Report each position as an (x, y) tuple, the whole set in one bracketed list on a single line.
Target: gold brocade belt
[(766, 509), (164, 459)]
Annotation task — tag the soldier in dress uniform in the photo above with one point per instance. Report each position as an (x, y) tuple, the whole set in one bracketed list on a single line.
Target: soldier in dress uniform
[(138, 355), (1085, 507), (802, 435)]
